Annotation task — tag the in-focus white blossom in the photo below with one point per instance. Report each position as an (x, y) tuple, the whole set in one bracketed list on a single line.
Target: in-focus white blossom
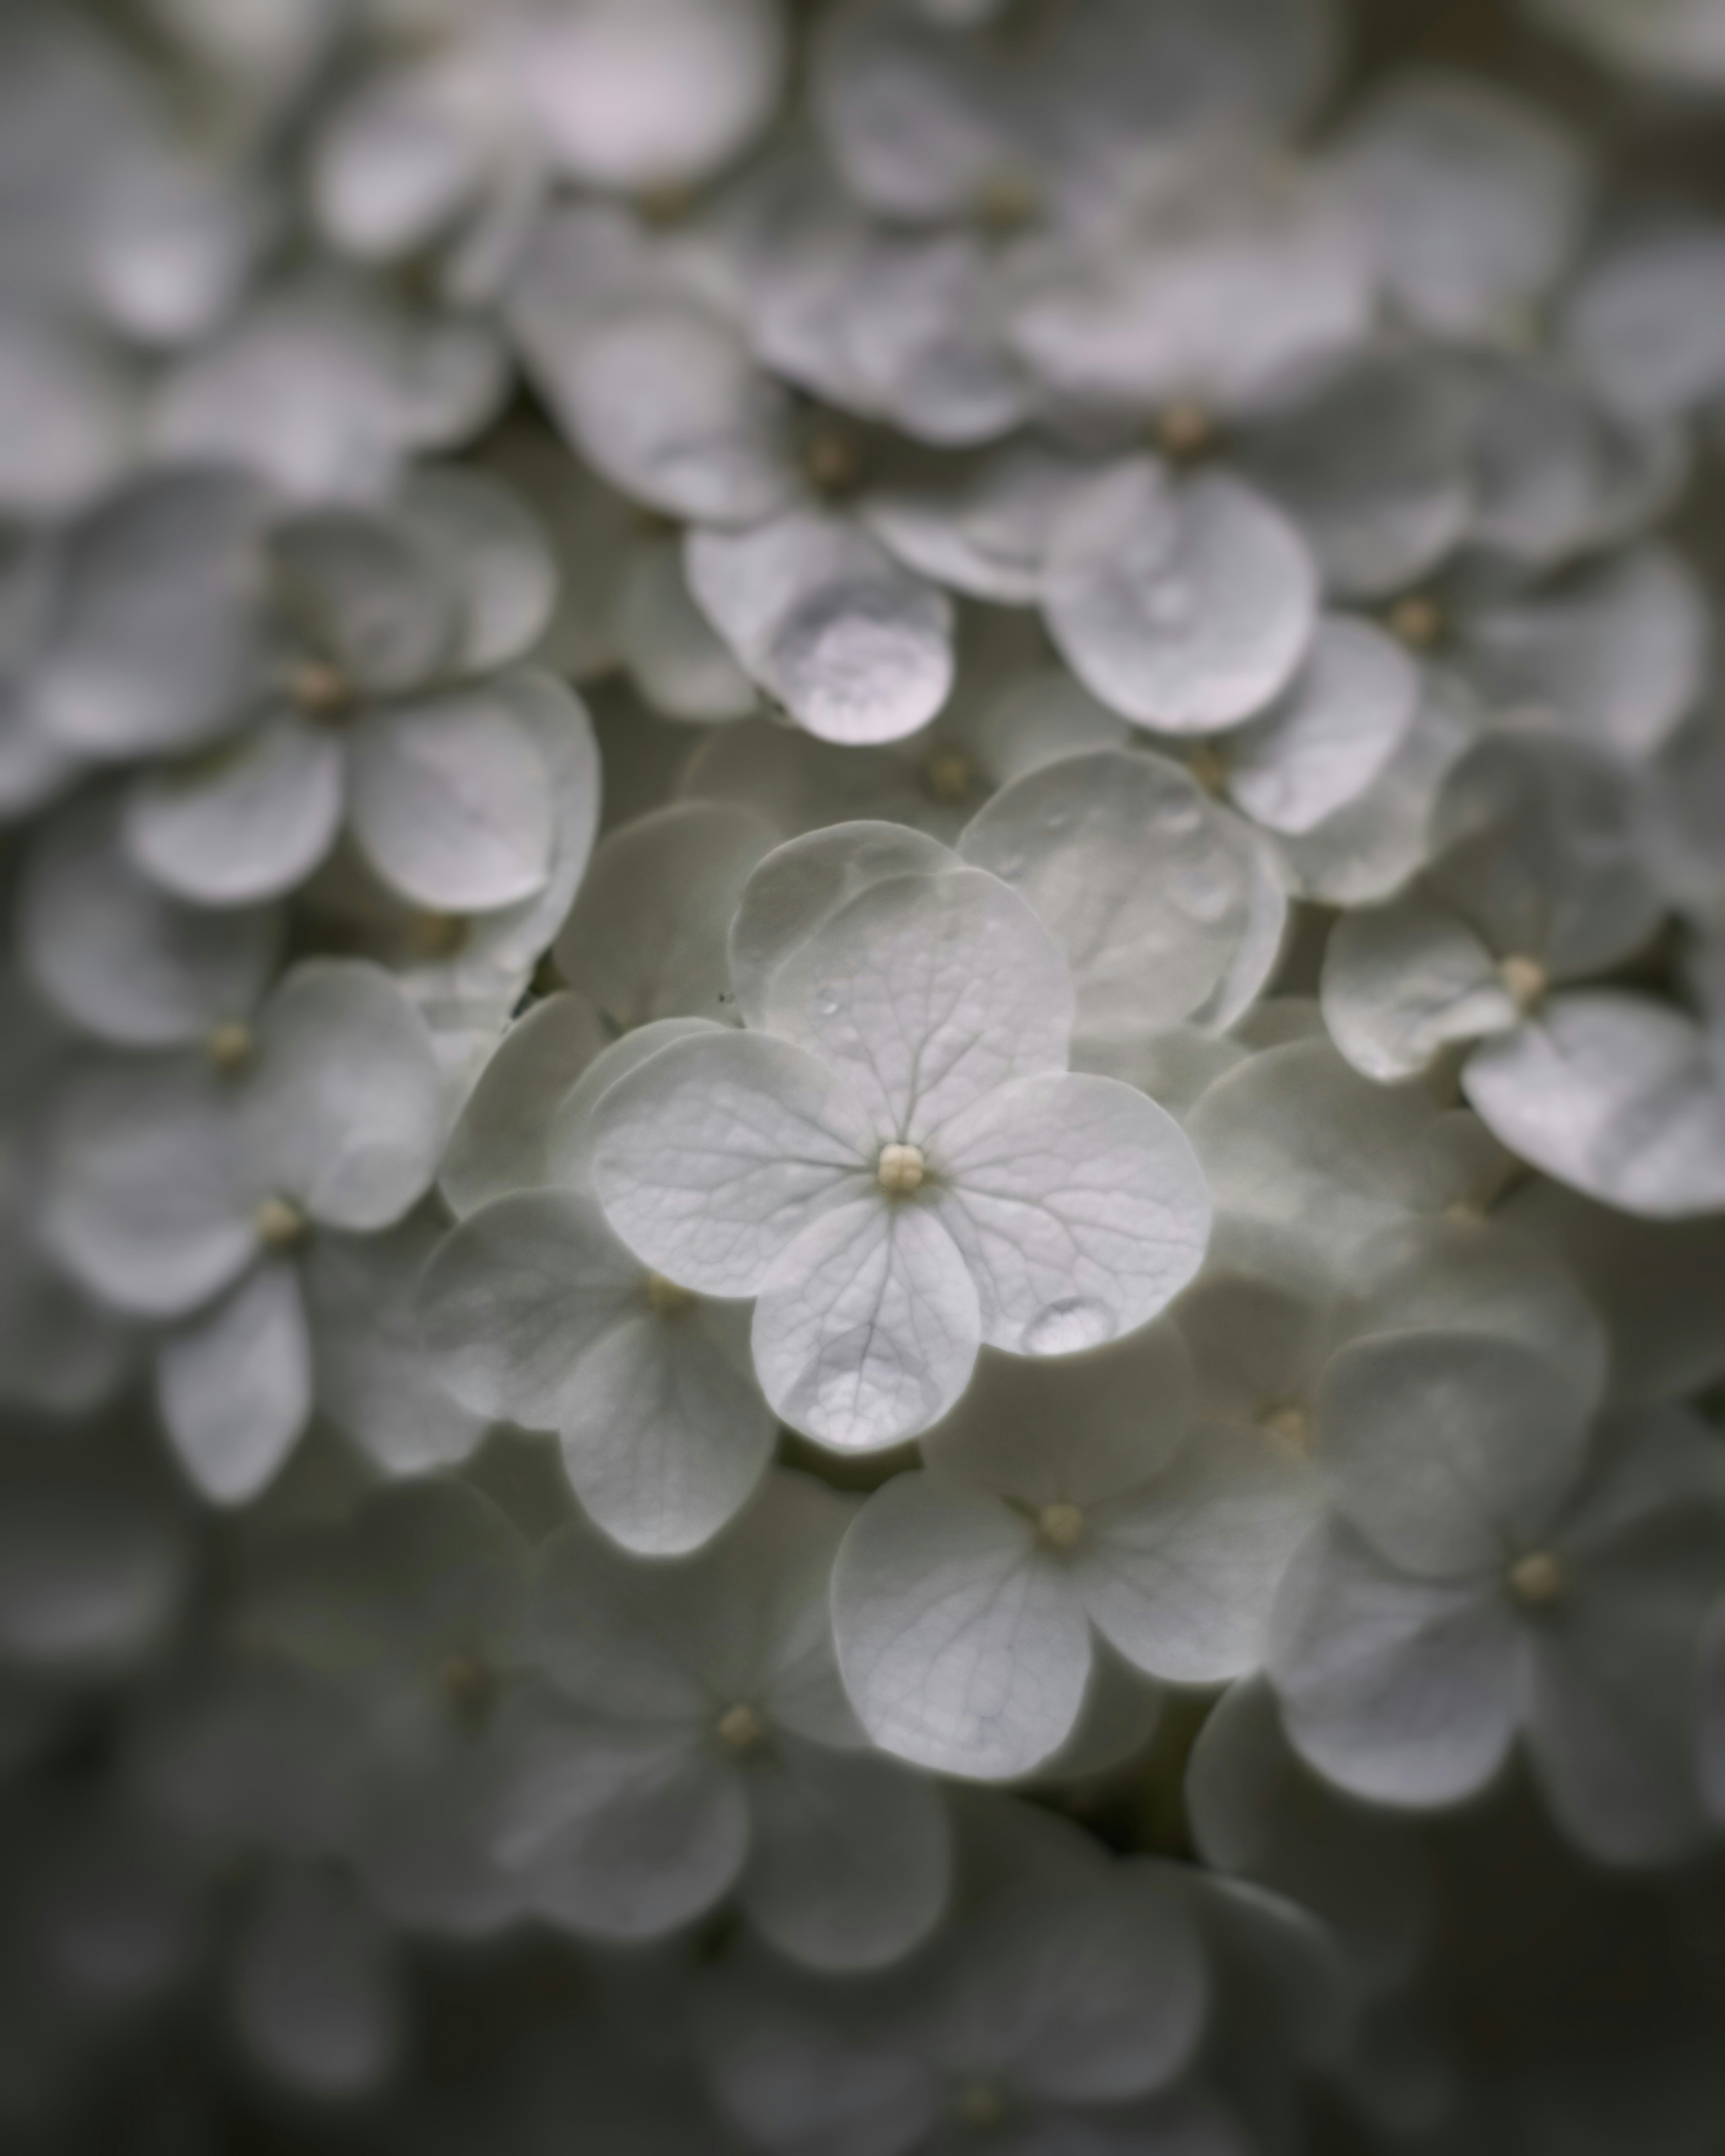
[(897, 1165)]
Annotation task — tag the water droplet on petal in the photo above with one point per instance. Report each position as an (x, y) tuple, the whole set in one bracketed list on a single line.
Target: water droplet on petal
[(1063, 1327)]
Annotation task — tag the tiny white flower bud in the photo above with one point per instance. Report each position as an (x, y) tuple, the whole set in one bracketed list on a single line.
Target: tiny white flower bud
[(741, 1729), (1061, 1526), (900, 1170), (1536, 1579)]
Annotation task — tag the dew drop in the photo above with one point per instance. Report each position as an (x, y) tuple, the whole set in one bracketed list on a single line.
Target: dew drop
[(1062, 1328)]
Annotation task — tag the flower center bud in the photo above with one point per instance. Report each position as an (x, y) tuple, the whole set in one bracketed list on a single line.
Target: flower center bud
[(664, 203), (1291, 1426), (948, 776), (321, 690), (278, 1224), (437, 935), (229, 1044), (1208, 766), (1417, 620), (665, 1299), (900, 1170), (833, 460), (1059, 1526), (1536, 1579), (741, 1729), (468, 1684), (1526, 980), (981, 2105), (1183, 430), (1007, 201)]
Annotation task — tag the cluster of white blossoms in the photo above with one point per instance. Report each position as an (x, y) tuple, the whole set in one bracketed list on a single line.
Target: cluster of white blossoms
[(862, 1077)]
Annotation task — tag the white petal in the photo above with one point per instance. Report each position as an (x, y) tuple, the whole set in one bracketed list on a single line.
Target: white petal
[(326, 384), (1402, 1691), (1181, 1578), (619, 1833), (715, 1155), (630, 95), (498, 557), (148, 1203), (248, 822), (1465, 1277), (122, 959), (1141, 882), (371, 593), (856, 649), (500, 950), (850, 1864), (655, 387), (1614, 1094), (1081, 1996), (666, 1436), (395, 162), (646, 939), (799, 887), (315, 1991), (926, 993), (1368, 850), (867, 1328), (72, 417), (1187, 611), (679, 662), (1081, 1429), (1079, 1207), (989, 538), (1401, 982), (1475, 200), (1296, 1139), (1232, 276), (1646, 323), (743, 1621), (1620, 648), (154, 643), (372, 1376), (1253, 964), (235, 1386), (502, 1141), (518, 1296), (570, 1136), (451, 804), (342, 1106), (1331, 732), (961, 1647), (1611, 1703), (1451, 1451), (1373, 466)]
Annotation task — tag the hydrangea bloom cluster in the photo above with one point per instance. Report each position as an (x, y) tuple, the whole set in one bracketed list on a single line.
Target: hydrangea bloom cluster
[(862, 1077)]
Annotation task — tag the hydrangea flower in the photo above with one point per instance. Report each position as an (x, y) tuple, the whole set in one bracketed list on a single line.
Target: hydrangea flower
[(186, 1187), (1075, 1494), (898, 1165), (698, 1742), (1484, 1573)]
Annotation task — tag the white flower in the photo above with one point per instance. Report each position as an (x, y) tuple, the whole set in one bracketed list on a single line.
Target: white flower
[(183, 1184), (1482, 1574), (326, 385), (1078, 1494), (703, 1745), (900, 1167), (391, 709)]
